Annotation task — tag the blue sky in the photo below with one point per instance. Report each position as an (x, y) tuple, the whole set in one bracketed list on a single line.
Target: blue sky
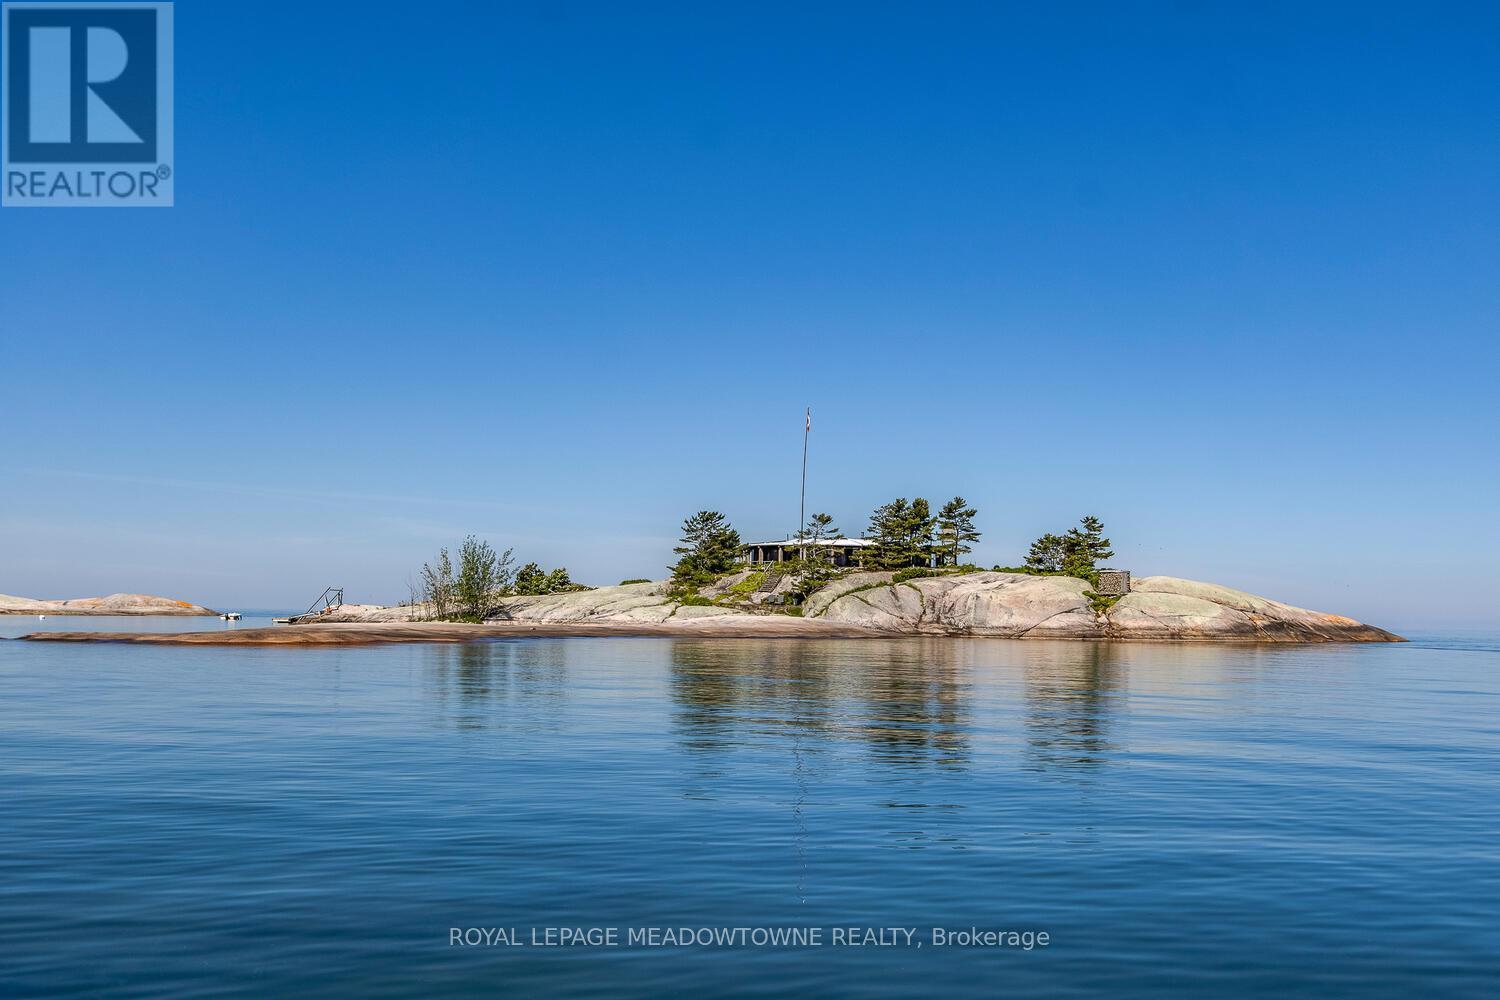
[(1224, 275)]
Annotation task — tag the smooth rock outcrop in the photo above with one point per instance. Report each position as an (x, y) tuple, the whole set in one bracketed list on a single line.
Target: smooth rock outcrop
[(114, 604), (1011, 605), (1164, 607), (820, 599), (1006, 605), (1015, 605)]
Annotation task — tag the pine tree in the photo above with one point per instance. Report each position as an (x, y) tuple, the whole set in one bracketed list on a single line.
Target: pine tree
[(916, 536), (1095, 545), (1077, 553), (1083, 548), (709, 548), (886, 530), (814, 565), (819, 528), (955, 524), (902, 533), (1046, 555)]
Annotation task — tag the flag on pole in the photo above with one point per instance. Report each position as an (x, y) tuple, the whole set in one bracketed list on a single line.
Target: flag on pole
[(809, 418)]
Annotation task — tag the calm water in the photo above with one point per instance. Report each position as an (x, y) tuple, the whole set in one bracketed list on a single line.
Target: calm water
[(1180, 820)]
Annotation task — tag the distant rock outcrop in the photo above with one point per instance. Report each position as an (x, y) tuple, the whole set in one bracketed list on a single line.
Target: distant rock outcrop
[(114, 604)]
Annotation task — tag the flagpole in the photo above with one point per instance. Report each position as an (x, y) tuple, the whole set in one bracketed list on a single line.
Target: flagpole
[(802, 508)]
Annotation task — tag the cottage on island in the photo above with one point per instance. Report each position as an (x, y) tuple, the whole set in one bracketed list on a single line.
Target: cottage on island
[(846, 551)]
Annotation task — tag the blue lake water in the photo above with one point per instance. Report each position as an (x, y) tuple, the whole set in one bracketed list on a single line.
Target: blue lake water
[(1180, 820)]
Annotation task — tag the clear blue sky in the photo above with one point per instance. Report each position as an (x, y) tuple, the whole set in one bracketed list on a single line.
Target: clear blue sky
[(1223, 274)]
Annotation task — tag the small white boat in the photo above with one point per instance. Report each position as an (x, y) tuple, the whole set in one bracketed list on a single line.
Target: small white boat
[(41, 618), (230, 616)]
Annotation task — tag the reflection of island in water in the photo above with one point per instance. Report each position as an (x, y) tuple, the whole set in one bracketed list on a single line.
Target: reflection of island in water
[(497, 684), (936, 719), (901, 699), (1069, 702), (910, 701), (920, 743), (913, 703)]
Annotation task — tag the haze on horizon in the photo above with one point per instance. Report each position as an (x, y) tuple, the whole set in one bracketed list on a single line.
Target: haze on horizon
[(1223, 277)]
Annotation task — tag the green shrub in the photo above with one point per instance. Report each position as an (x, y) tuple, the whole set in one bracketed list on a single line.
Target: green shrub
[(694, 601), (749, 584), (532, 581), (626, 583), (912, 573), (1099, 602)]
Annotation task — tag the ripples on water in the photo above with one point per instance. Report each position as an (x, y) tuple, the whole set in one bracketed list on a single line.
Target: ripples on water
[(1190, 820)]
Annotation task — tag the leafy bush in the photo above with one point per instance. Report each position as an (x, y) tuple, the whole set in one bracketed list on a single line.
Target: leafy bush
[(626, 583), (471, 591), (912, 573), (483, 575)]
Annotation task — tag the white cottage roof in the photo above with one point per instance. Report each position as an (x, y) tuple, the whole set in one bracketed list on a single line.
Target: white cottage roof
[(838, 543)]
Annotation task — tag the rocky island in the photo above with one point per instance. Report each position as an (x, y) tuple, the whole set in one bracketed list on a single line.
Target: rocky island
[(1001, 605), (114, 604), (862, 604)]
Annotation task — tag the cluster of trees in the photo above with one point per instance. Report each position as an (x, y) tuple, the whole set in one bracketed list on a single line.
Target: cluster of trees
[(1077, 552), (909, 534), (480, 582), (905, 533), (531, 579)]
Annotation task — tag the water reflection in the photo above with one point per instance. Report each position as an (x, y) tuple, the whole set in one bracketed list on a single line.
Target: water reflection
[(1070, 705), (1326, 814), (478, 684), (935, 705), (903, 700)]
